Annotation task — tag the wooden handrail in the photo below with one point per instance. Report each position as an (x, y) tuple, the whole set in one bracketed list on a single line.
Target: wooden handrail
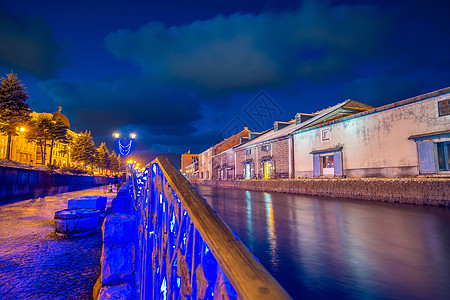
[(249, 278)]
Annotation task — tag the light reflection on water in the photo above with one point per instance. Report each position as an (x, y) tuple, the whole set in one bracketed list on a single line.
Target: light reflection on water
[(342, 249)]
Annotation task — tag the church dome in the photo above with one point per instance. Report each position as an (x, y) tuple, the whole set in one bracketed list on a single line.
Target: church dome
[(58, 116)]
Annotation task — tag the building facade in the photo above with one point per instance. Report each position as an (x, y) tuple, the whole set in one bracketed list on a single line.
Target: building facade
[(30, 153), (405, 138), (351, 139), (271, 155), (205, 163), (187, 159), (223, 160)]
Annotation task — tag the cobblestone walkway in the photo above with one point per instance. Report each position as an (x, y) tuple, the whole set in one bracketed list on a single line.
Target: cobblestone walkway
[(37, 264)]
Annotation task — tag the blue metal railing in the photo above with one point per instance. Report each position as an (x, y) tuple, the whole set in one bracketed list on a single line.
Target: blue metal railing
[(185, 250)]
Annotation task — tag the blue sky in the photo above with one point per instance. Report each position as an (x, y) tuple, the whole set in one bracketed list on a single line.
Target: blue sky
[(184, 74)]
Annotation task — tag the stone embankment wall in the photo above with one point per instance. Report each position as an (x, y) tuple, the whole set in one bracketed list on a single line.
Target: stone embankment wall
[(16, 182), (118, 273), (423, 191)]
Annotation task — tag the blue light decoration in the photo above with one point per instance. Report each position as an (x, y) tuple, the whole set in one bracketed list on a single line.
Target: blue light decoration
[(174, 261), (125, 147)]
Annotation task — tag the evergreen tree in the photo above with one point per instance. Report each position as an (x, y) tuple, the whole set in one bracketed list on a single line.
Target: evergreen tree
[(39, 132), (14, 111), (83, 148), (102, 157), (44, 132), (114, 162), (57, 133)]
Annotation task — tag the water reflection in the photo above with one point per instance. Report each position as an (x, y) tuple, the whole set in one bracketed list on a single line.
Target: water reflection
[(251, 237), (272, 237), (342, 249)]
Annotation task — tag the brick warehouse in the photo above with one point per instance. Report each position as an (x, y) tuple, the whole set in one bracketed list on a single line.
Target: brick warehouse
[(271, 155), (350, 139), (223, 163)]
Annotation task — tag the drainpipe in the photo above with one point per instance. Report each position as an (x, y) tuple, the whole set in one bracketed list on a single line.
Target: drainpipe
[(291, 157)]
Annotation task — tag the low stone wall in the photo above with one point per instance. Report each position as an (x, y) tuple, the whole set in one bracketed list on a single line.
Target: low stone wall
[(118, 267), (15, 183), (423, 191)]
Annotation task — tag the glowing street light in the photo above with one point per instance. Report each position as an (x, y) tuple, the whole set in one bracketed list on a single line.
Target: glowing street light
[(22, 129), (124, 145)]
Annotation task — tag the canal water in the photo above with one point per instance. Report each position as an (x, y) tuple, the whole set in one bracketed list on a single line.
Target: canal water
[(322, 248)]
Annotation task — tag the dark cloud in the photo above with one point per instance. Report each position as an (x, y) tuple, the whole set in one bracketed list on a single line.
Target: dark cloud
[(244, 51), (27, 44), (121, 101), (383, 89), (194, 79)]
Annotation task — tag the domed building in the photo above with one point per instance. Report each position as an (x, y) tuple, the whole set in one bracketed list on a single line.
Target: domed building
[(30, 153), (58, 116)]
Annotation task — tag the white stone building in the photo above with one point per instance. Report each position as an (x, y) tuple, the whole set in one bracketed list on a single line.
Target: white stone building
[(406, 138)]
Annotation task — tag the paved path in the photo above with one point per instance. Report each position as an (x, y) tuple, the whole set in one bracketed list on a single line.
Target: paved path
[(37, 264)]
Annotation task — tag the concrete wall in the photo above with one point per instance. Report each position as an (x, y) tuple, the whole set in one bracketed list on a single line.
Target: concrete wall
[(422, 191), (374, 144), (15, 183)]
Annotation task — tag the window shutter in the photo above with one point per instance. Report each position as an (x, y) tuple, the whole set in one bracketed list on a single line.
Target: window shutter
[(338, 164), (316, 164), (427, 163)]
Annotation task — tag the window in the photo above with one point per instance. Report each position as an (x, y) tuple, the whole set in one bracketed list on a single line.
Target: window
[(265, 148), (443, 154), (328, 165), (248, 151), (328, 161), (444, 108), (325, 134)]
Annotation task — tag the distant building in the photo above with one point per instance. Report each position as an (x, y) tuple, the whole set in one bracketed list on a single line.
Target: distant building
[(218, 161), (223, 160), (205, 163), (187, 159), (192, 170), (30, 153)]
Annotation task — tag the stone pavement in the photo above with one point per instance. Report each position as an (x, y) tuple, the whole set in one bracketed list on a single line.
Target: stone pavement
[(37, 264)]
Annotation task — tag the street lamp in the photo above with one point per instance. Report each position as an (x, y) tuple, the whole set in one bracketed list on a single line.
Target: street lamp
[(124, 145)]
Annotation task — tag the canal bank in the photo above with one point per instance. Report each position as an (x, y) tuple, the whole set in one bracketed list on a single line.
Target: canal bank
[(23, 183), (37, 264), (328, 248), (420, 191)]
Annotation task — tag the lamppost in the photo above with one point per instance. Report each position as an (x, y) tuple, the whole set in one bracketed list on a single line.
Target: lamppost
[(124, 145)]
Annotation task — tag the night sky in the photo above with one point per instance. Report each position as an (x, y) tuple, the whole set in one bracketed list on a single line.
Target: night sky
[(185, 74)]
